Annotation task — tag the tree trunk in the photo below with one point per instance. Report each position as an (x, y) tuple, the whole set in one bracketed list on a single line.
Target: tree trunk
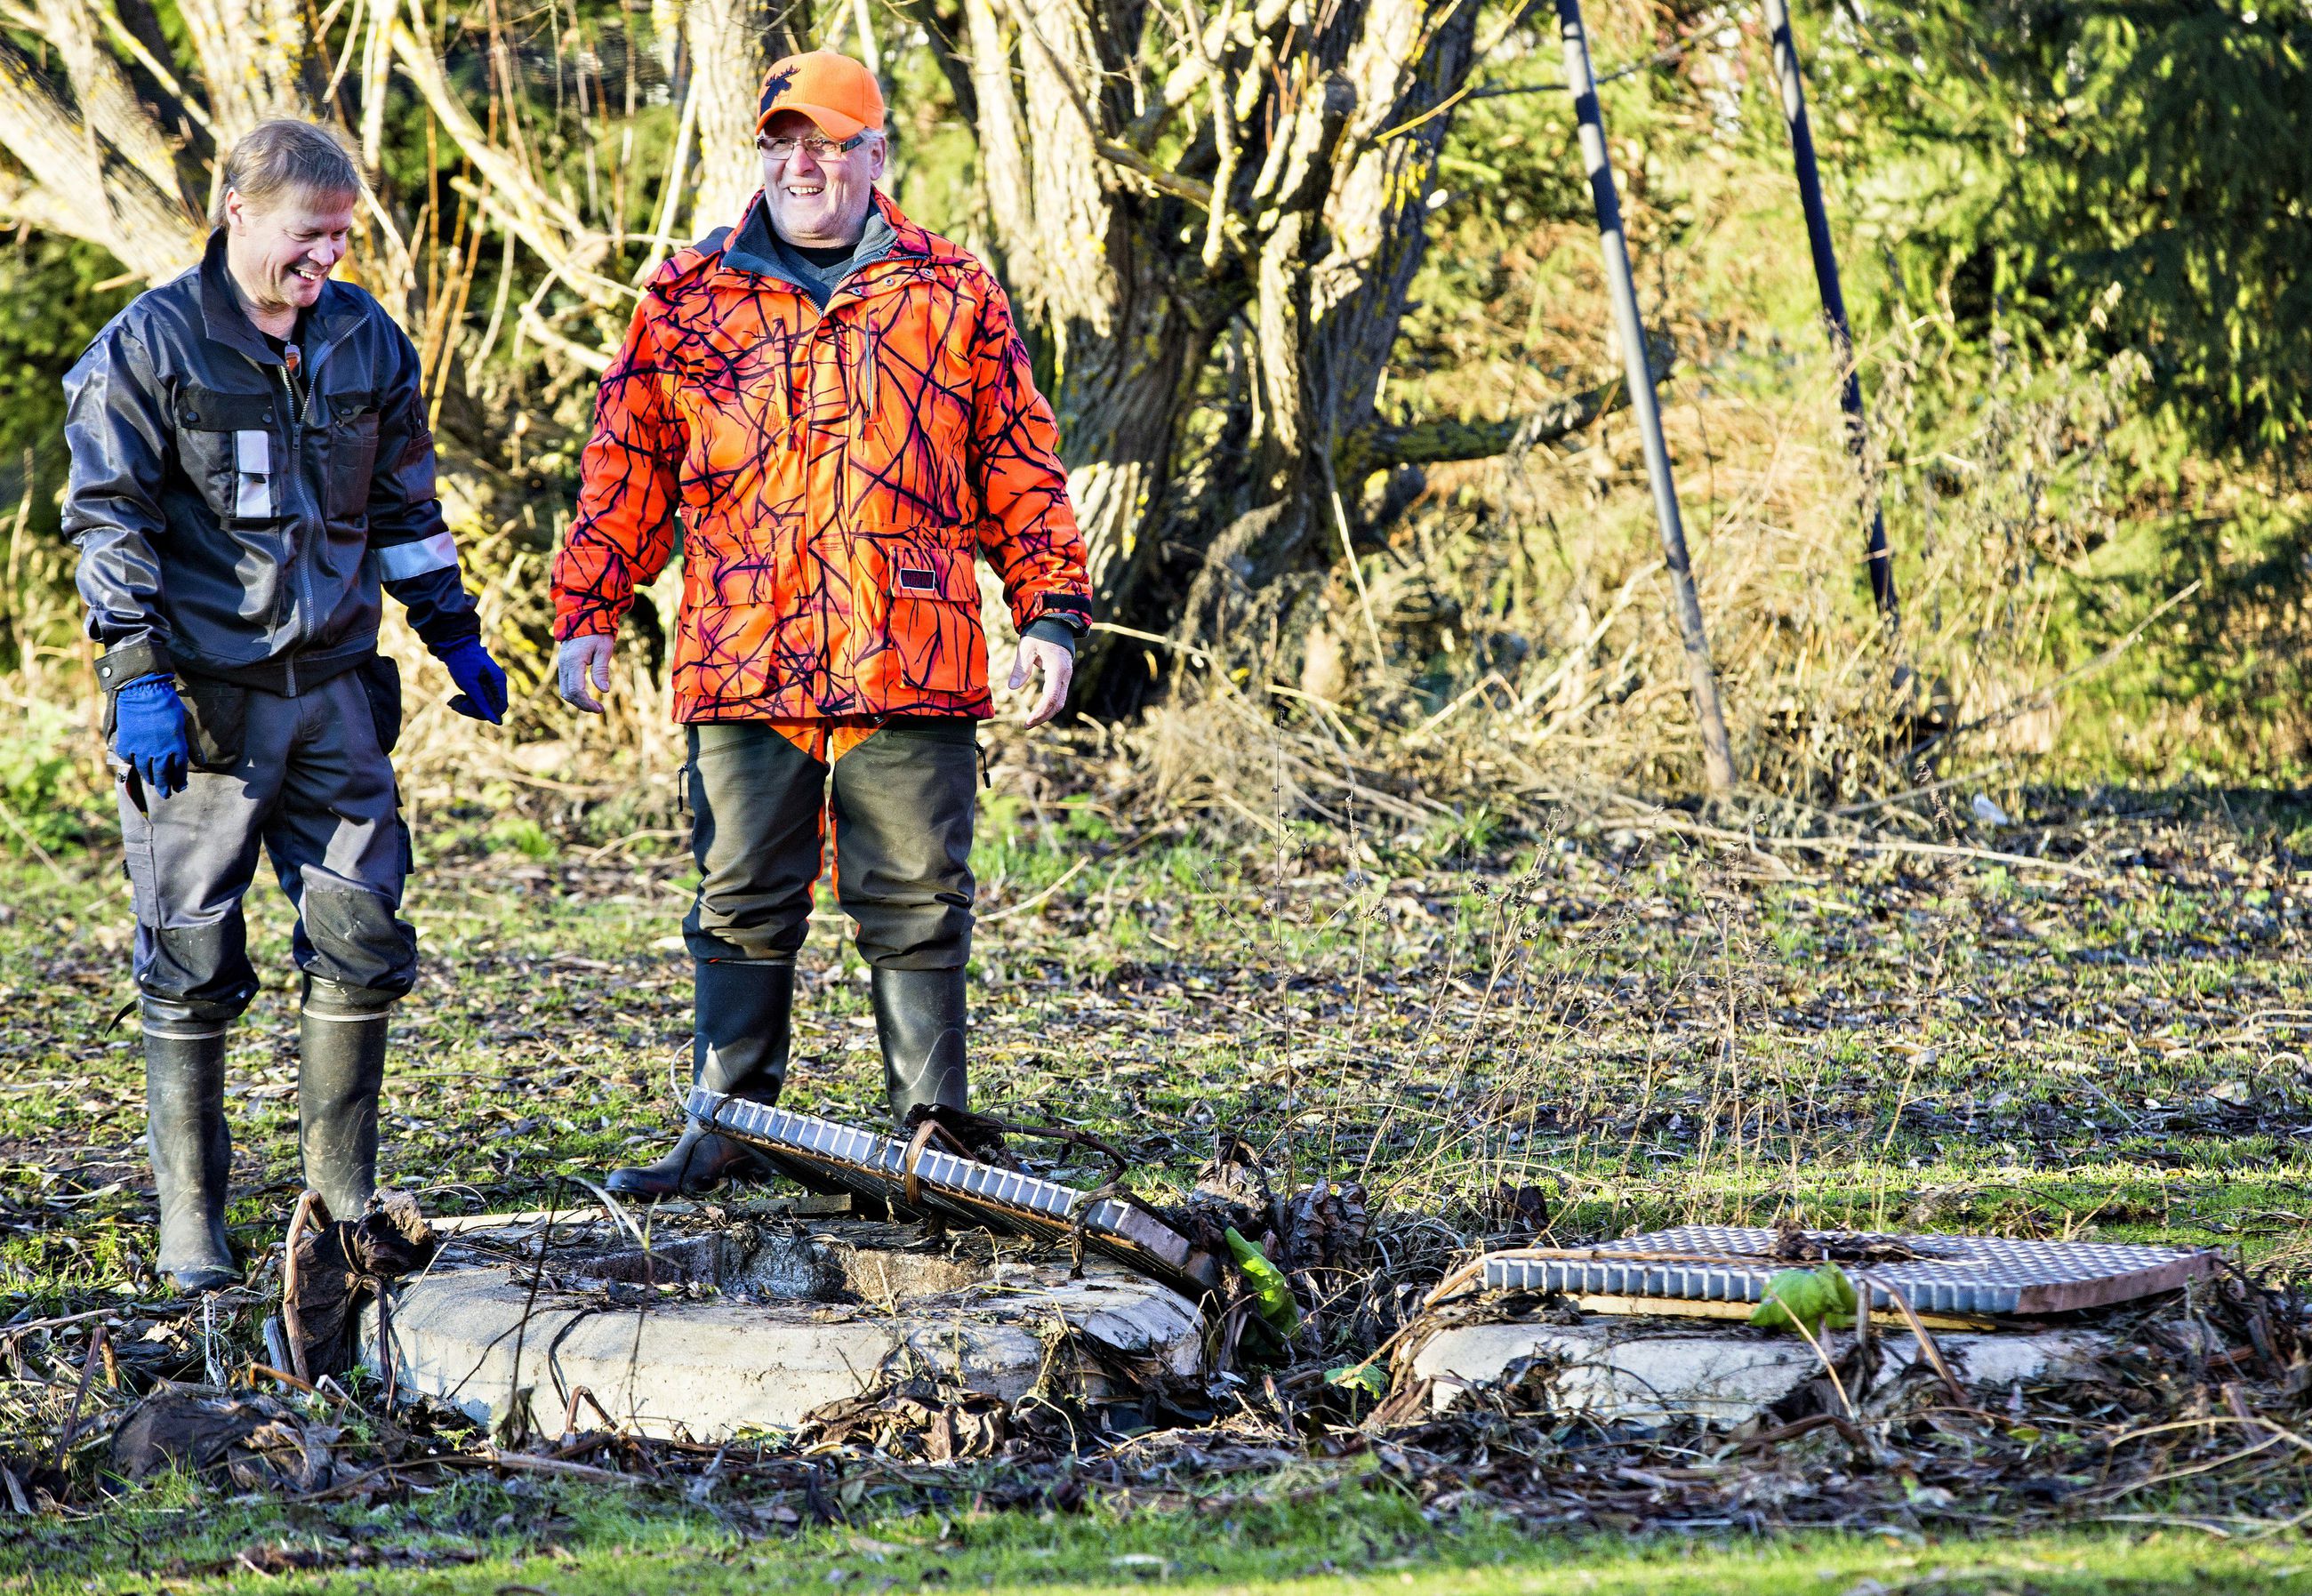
[(1293, 209), (732, 44), (1121, 342)]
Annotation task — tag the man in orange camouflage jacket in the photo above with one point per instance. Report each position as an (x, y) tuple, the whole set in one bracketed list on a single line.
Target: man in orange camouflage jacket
[(835, 404)]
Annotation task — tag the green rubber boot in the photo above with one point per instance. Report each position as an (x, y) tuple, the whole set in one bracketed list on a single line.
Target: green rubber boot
[(191, 1151), (919, 1019), (340, 1069), (742, 1011)]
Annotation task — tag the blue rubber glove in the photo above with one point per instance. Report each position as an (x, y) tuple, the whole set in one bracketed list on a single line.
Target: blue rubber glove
[(149, 733), (481, 681)]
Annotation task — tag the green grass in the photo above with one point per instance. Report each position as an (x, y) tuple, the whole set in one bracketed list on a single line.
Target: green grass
[(1652, 1034), (478, 1537), (1658, 1037)]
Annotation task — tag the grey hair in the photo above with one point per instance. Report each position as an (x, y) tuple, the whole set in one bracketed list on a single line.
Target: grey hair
[(283, 156)]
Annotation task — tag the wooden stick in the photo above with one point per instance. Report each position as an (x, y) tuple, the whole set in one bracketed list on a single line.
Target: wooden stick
[(80, 1394)]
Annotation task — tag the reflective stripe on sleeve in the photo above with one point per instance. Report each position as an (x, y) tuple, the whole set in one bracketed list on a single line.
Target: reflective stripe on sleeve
[(402, 560)]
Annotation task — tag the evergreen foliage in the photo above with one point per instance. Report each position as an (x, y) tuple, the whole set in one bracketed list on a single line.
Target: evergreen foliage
[(2139, 167)]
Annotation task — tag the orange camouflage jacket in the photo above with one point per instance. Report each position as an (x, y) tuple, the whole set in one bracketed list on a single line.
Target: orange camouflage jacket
[(835, 475)]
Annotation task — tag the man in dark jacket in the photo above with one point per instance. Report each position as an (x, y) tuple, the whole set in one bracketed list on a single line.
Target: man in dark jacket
[(250, 464)]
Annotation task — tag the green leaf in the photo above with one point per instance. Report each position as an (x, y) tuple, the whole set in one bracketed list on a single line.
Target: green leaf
[(1365, 1377), (1808, 1297), (1270, 1288)]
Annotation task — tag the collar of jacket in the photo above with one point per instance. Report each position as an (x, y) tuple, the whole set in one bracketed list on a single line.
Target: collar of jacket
[(746, 249), (227, 321)]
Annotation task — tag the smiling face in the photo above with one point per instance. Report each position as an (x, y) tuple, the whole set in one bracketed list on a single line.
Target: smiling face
[(818, 204), (282, 250)]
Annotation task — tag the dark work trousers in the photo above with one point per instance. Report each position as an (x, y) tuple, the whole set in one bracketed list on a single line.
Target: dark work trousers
[(902, 806), (313, 784)]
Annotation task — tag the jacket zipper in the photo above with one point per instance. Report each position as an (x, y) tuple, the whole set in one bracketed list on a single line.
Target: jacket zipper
[(299, 565)]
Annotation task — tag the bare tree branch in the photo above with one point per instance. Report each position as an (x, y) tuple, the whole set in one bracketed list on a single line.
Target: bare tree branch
[(947, 49), (551, 229), (1122, 156), (109, 106), (1380, 446), (152, 232), (255, 57), (162, 74)]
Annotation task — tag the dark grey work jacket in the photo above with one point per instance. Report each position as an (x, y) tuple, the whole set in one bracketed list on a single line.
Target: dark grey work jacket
[(235, 519)]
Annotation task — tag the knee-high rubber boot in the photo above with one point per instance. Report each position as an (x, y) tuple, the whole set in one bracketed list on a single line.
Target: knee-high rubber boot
[(742, 1011), (341, 1066), (919, 1019), (192, 1152)]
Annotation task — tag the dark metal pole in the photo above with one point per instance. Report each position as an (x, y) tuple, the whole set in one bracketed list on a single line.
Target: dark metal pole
[(1717, 758), (1834, 301)]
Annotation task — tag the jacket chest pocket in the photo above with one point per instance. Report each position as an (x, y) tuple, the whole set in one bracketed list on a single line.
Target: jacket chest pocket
[(230, 448), (353, 451)]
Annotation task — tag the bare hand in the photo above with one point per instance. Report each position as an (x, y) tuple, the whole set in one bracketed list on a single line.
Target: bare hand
[(578, 663), (1058, 666)]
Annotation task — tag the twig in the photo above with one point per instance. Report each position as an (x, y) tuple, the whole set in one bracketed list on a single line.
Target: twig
[(570, 1414), (671, 196), (531, 1463), (1364, 598), (1934, 1354), (1197, 654), (285, 1377), (518, 1405), (1490, 678), (597, 855), (1026, 904), (1828, 1367), (12, 1331), (1855, 844), (2046, 695), (1675, 52), (593, 360), (34, 842), (80, 1394)]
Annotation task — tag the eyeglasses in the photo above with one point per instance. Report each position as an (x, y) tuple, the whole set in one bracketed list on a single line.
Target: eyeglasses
[(785, 145)]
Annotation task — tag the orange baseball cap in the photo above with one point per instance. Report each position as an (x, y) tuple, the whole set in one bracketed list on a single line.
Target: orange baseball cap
[(834, 91)]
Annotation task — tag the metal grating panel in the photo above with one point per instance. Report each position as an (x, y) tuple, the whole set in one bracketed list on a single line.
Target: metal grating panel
[(1956, 1273), (960, 1189)]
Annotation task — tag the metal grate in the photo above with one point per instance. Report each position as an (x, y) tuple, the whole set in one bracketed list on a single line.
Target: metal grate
[(875, 1166), (1955, 1274)]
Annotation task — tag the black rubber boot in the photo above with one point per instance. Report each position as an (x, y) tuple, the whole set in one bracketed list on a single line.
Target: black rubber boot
[(341, 1066), (741, 1013), (919, 1020), (192, 1153)]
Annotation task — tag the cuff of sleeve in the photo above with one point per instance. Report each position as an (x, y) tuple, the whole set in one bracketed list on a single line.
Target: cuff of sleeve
[(1052, 629), (118, 667), (586, 623), (449, 631)]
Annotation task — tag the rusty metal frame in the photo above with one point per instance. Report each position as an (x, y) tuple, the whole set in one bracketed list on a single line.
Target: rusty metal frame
[(1953, 1275), (930, 1179)]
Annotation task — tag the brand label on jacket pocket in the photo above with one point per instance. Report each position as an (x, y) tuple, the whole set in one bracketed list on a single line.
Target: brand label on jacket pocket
[(917, 579)]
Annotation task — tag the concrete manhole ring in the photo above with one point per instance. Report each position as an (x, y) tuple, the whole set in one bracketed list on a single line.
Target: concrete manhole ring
[(802, 1311)]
